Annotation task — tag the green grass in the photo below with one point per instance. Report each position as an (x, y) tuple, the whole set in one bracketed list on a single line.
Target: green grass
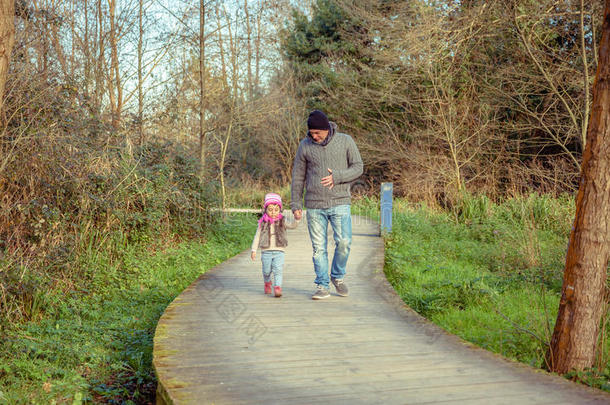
[(489, 273), (96, 344), (486, 272)]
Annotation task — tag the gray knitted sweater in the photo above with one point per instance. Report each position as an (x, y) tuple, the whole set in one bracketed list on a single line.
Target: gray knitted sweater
[(312, 162)]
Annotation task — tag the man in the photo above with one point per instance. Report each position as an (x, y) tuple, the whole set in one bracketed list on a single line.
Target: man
[(325, 164)]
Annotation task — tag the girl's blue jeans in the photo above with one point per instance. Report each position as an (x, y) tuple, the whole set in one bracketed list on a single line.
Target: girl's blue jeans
[(340, 220), (273, 262)]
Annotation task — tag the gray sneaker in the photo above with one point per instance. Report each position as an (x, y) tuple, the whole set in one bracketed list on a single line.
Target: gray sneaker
[(340, 286), (320, 293)]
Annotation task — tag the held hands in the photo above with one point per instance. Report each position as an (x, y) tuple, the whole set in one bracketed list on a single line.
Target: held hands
[(253, 255), (298, 214), (328, 180)]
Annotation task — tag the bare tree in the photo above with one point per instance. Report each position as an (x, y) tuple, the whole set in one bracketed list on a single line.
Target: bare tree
[(250, 81), (221, 47), (574, 340), (100, 65), (85, 45), (234, 48), (7, 39), (585, 70), (115, 88), (287, 126), (527, 25), (257, 47), (140, 75), (202, 95)]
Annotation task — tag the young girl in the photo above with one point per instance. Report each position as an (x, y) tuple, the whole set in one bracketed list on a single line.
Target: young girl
[(271, 238)]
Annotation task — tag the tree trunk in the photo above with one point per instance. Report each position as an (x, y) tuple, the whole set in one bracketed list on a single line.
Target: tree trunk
[(140, 79), (99, 63), (234, 57), (53, 30), (202, 87), (574, 340), (73, 36), (7, 39), (585, 68), (221, 48), (249, 48), (87, 53), (114, 84), (257, 49)]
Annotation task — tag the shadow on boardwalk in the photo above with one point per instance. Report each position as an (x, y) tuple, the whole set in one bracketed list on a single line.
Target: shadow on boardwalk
[(222, 341)]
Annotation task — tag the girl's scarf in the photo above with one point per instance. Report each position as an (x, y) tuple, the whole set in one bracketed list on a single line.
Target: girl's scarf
[(267, 218)]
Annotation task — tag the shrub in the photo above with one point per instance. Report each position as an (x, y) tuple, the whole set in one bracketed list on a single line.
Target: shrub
[(68, 193)]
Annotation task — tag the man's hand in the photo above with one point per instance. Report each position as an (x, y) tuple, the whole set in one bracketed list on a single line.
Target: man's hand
[(253, 255), (328, 180), (298, 214)]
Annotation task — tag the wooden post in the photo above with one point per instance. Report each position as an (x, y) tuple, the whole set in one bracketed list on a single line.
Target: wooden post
[(386, 208)]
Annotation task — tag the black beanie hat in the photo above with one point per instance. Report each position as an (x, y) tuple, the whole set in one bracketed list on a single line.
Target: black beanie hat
[(318, 120)]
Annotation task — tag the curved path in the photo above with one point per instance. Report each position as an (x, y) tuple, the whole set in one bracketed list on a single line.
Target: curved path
[(222, 341)]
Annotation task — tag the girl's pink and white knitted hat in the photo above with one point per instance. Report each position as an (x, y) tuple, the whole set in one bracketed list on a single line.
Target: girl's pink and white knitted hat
[(272, 198)]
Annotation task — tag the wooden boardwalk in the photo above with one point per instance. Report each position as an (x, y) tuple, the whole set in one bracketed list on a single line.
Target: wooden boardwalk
[(222, 341)]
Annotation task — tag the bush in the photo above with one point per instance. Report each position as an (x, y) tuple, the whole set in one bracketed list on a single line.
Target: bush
[(69, 193)]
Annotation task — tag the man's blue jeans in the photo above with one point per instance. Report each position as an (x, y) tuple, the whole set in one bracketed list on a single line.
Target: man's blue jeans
[(317, 222)]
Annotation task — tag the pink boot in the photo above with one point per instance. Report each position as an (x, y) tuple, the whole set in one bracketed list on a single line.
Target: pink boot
[(278, 291), (268, 287)]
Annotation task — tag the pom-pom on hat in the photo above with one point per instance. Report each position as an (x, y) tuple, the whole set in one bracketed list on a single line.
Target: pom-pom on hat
[(272, 198), (318, 120)]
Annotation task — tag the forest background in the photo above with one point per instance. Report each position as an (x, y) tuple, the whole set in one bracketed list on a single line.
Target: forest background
[(124, 121)]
